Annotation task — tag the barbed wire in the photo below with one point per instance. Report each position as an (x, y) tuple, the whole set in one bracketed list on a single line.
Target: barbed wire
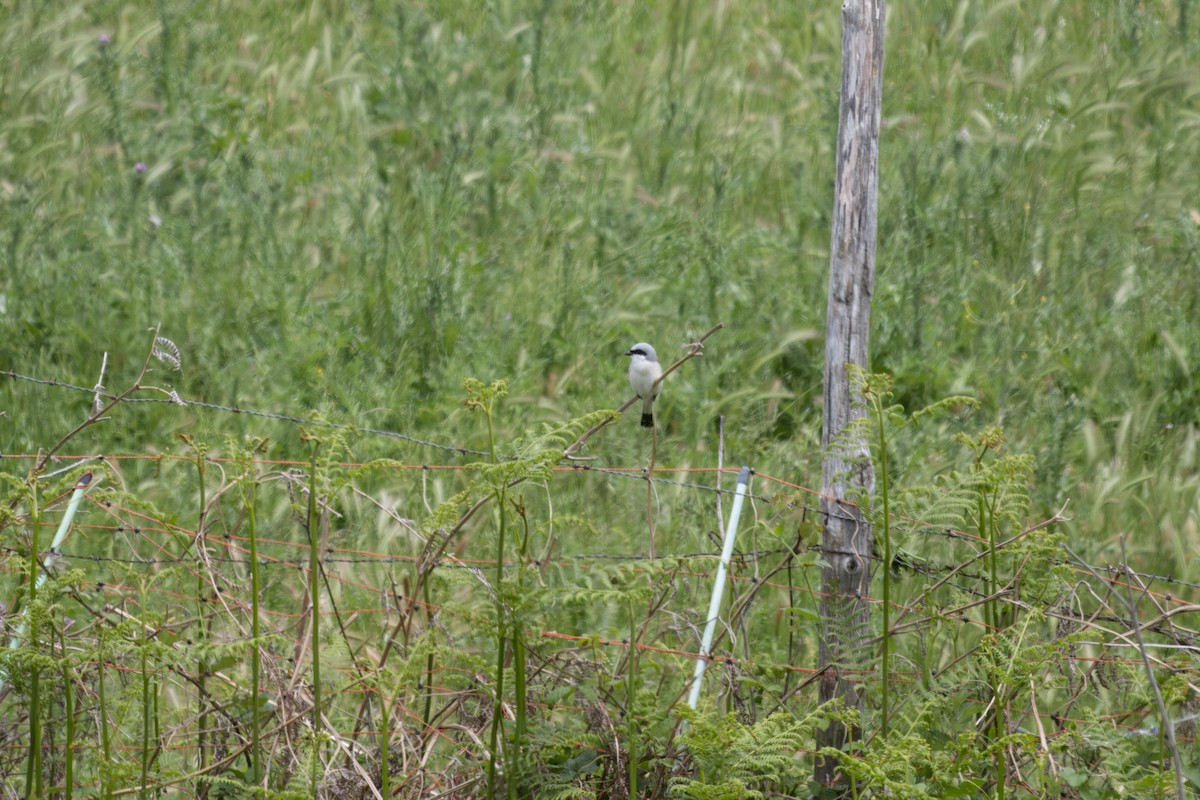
[(916, 527), (635, 473), (629, 473), (461, 684), (638, 473), (742, 560), (176, 400)]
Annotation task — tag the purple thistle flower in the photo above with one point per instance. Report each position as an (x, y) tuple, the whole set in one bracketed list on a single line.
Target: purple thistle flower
[(105, 40), (140, 166)]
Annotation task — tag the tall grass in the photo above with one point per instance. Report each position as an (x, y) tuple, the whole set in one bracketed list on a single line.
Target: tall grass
[(340, 211)]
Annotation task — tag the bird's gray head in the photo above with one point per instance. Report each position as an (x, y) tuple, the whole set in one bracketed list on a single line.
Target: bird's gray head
[(643, 349)]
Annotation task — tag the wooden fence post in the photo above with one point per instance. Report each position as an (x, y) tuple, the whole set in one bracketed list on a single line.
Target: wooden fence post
[(846, 471)]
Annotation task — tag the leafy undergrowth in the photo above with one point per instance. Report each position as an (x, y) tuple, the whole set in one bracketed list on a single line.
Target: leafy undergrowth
[(462, 648)]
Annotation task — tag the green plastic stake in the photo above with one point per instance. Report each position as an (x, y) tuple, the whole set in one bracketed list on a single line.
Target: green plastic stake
[(714, 605), (64, 528)]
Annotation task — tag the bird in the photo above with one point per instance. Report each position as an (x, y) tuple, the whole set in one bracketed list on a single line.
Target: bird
[(644, 370)]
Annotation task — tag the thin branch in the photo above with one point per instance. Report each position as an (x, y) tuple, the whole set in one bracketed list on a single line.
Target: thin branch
[(98, 414), (1168, 729), (694, 349)]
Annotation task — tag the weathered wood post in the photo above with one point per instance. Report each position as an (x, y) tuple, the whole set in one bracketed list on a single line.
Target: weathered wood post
[(846, 470)]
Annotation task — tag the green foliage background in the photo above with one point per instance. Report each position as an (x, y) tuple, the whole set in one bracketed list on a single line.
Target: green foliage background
[(343, 209), (353, 206)]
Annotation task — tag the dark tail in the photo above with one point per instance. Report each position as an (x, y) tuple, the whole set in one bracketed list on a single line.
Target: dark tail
[(647, 420)]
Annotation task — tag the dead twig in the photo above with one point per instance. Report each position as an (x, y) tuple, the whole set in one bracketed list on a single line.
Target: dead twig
[(1168, 729), (161, 349)]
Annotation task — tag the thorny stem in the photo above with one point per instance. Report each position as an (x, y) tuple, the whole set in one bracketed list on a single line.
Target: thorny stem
[(877, 401), (314, 567)]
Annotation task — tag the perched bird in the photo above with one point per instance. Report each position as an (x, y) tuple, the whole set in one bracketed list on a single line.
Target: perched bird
[(644, 370)]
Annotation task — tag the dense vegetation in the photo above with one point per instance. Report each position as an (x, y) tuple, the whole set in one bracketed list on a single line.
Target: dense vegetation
[(340, 211)]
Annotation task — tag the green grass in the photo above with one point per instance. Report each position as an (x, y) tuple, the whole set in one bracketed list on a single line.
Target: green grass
[(342, 210)]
